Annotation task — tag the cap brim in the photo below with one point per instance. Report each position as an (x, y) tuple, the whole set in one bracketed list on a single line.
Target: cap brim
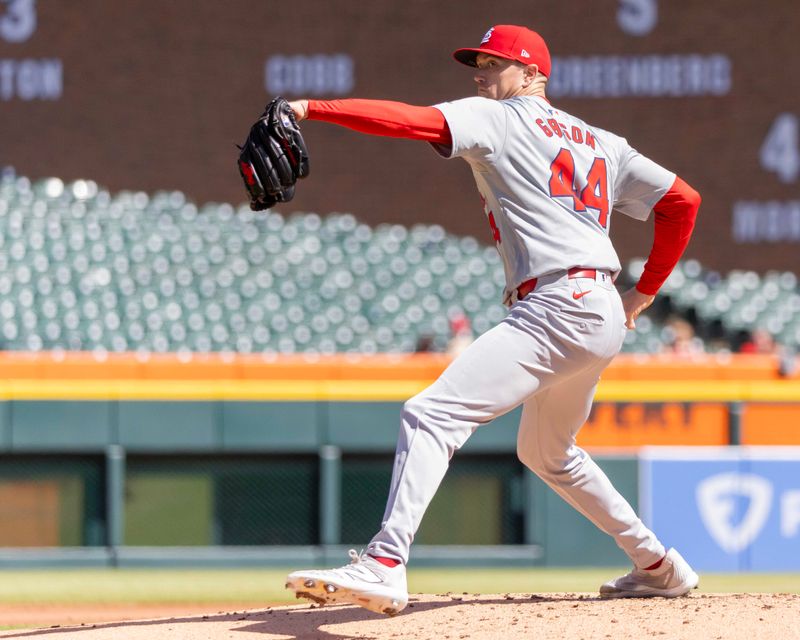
[(467, 56)]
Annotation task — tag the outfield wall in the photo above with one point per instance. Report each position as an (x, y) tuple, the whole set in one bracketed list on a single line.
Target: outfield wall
[(222, 460)]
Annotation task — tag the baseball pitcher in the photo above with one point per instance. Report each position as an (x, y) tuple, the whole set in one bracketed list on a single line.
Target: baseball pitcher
[(550, 185)]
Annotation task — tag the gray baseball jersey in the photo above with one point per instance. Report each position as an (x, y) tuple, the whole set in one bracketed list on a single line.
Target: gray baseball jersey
[(549, 183)]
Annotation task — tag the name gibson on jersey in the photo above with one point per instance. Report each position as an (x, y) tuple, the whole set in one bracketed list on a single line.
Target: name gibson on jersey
[(574, 134)]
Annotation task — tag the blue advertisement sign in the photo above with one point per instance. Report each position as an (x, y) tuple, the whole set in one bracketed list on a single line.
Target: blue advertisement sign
[(724, 509)]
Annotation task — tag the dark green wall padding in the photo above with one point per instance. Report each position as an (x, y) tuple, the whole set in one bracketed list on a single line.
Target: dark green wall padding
[(201, 474)]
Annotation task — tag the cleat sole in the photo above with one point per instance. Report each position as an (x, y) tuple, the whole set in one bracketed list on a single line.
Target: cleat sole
[(310, 596)]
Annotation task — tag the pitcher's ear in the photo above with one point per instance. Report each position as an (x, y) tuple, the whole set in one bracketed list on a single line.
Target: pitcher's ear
[(531, 71)]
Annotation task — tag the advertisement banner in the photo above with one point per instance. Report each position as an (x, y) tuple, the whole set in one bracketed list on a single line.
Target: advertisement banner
[(636, 424), (725, 508)]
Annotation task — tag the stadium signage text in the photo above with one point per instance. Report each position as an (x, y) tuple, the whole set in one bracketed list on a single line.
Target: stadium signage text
[(309, 75), (27, 78), (771, 221), (641, 76), (31, 79)]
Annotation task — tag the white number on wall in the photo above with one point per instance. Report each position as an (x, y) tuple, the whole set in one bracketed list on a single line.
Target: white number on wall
[(780, 151), (637, 17), (17, 20)]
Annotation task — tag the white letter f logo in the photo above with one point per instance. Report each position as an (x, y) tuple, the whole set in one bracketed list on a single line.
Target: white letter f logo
[(716, 501)]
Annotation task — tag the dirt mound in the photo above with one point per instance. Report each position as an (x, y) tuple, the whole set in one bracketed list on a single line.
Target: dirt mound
[(553, 616)]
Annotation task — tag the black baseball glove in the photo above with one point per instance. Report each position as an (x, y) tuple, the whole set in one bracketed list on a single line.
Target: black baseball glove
[(273, 157)]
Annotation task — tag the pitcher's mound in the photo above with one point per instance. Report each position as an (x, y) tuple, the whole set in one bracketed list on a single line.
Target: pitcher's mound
[(553, 616)]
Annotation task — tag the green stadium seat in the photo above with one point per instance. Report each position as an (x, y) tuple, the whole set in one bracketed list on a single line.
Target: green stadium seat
[(81, 268)]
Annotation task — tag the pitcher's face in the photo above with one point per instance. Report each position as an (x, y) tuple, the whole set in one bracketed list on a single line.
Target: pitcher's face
[(498, 78)]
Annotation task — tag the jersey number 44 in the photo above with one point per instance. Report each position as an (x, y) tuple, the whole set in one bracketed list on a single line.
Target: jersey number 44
[(593, 196), (562, 185)]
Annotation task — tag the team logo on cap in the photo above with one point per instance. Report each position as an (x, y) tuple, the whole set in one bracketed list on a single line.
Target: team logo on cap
[(525, 54), (487, 36)]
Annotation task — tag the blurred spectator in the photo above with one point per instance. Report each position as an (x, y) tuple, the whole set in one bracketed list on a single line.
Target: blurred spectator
[(759, 341), (460, 334), (425, 343), (680, 338)]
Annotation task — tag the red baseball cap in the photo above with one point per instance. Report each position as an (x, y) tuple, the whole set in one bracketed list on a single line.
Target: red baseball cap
[(513, 43)]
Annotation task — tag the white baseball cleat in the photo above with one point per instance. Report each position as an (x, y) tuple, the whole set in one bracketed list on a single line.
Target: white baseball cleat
[(672, 579), (365, 582)]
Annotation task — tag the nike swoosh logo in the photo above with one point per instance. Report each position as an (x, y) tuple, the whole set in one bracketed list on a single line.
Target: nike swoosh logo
[(578, 296)]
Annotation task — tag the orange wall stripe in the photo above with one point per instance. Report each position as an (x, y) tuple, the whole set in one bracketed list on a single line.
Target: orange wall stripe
[(132, 366)]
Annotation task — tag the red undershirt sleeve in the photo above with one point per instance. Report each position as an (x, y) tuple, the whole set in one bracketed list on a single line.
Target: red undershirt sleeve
[(384, 118), (675, 215)]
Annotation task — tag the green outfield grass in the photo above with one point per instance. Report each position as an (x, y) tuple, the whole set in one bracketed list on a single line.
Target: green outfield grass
[(107, 586)]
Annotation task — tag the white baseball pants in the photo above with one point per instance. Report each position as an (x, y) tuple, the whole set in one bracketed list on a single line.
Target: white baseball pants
[(547, 355)]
